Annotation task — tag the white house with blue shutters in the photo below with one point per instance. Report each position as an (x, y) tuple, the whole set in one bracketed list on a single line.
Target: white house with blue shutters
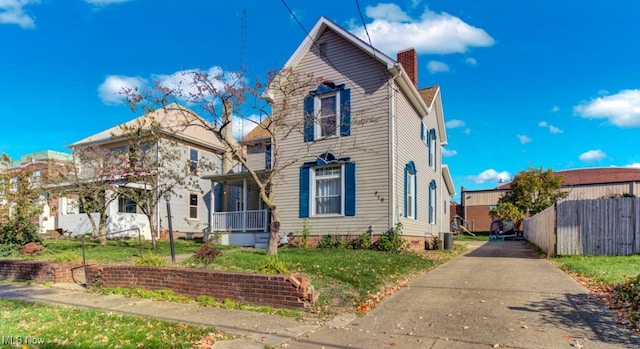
[(367, 153)]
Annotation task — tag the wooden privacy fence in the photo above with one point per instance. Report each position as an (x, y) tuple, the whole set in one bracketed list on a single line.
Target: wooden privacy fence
[(587, 227)]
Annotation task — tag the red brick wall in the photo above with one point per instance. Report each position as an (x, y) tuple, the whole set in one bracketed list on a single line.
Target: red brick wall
[(477, 218), (40, 271), (409, 60), (261, 289)]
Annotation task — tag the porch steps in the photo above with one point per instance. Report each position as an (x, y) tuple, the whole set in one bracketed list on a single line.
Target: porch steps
[(261, 240)]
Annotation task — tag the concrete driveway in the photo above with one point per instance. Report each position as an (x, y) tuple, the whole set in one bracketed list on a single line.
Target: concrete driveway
[(497, 295)]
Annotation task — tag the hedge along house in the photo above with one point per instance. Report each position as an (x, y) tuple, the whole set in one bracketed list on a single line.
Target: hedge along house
[(191, 145), (364, 150)]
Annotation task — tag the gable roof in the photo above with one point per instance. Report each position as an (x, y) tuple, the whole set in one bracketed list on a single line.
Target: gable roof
[(259, 132), (175, 120)]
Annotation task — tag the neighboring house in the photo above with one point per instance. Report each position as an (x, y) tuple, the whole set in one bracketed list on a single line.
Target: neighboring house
[(40, 165), (367, 150), (581, 184), (189, 205)]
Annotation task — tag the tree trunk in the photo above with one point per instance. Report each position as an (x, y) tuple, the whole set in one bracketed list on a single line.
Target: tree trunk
[(102, 230), (274, 231)]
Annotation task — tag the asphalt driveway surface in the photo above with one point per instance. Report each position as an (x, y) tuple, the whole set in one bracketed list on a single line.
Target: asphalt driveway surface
[(499, 294)]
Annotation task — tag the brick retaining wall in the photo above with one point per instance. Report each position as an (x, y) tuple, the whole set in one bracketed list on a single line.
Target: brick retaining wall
[(40, 271), (261, 289)]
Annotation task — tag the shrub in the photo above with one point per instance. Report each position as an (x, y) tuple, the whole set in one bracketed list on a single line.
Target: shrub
[(627, 299), (151, 260), (392, 241), (304, 235), (19, 231), (206, 254), (273, 265), (362, 242), (331, 241), (30, 249)]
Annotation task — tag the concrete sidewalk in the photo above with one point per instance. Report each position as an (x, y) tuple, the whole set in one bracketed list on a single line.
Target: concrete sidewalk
[(497, 295), (254, 330)]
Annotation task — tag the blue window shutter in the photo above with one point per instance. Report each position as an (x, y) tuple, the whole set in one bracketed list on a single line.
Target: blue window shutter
[(415, 196), (345, 112), (304, 192), (308, 118), (422, 132), (350, 189)]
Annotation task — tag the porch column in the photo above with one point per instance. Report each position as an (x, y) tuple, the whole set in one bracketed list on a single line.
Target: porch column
[(212, 205), (244, 205)]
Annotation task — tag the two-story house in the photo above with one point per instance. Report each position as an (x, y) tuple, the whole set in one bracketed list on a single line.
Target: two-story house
[(179, 174), (366, 143)]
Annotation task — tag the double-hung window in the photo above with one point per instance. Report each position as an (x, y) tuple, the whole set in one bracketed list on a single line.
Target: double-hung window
[(193, 206), (328, 191), (193, 161), (327, 112), (328, 187), (432, 149), (432, 202), (410, 200), (328, 119)]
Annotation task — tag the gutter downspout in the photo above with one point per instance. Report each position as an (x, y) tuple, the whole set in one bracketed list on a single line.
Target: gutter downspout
[(392, 149)]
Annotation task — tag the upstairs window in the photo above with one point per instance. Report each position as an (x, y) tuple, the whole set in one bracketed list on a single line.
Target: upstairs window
[(327, 112), (432, 149), (193, 161)]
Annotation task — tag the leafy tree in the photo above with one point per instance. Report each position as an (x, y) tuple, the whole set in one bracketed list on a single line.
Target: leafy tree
[(155, 164), (92, 186), (218, 97), (530, 192), (509, 212), (21, 204)]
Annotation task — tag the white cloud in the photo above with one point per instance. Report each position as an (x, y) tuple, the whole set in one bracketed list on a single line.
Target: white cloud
[(471, 61), (552, 129), (634, 165), (182, 82), (13, 12), (111, 90), (393, 30), (449, 153), (555, 109), (244, 125), (524, 139), (105, 2), (491, 175), (454, 123), (437, 67), (621, 109), (592, 155), (389, 12)]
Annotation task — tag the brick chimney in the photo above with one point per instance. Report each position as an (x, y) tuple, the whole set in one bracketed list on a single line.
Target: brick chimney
[(409, 60)]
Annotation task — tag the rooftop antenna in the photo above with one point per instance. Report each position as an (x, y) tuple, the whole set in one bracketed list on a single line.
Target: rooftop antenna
[(243, 42)]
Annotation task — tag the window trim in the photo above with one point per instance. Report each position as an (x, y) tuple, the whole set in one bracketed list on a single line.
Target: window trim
[(317, 112), (307, 190), (433, 202), (432, 149), (410, 199), (312, 191), (193, 164), (197, 206)]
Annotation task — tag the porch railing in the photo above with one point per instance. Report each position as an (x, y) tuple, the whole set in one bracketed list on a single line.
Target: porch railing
[(255, 220)]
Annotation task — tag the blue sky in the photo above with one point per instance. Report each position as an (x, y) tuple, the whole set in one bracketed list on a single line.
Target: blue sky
[(547, 83)]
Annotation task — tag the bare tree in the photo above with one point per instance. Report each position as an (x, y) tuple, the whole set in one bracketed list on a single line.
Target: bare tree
[(218, 97)]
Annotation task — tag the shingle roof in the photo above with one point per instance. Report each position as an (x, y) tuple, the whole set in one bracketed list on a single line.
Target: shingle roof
[(594, 176), (258, 132), (427, 94)]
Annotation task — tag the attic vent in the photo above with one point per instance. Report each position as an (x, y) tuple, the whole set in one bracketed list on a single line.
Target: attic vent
[(323, 49)]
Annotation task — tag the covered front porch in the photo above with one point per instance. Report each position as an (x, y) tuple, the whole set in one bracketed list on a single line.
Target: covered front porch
[(239, 216)]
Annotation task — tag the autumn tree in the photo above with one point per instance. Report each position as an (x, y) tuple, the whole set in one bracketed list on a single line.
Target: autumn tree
[(21, 203), (218, 97), (530, 192), (154, 164)]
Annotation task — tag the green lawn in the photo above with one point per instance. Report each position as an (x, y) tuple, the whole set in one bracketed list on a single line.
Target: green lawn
[(606, 269), (32, 325)]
